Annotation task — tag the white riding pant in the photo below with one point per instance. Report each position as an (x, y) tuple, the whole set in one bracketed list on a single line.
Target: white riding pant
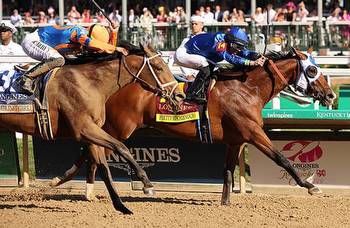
[(184, 59), (37, 50)]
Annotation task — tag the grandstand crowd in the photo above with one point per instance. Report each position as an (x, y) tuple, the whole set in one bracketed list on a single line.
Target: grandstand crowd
[(289, 11)]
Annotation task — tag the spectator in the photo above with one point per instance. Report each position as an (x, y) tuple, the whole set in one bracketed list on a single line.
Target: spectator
[(7, 46), (181, 17), (218, 15), (240, 16), (28, 20), (115, 16), (280, 15), (226, 16), (197, 12), (335, 16), (86, 17), (16, 18), (345, 16), (208, 15), (201, 11), (51, 15), (291, 14), (42, 18), (173, 15), (100, 18), (132, 18), (146, 20), (162, 16), (234, 15), (302, 12), (74, 15), (258, 17), (271, 12)]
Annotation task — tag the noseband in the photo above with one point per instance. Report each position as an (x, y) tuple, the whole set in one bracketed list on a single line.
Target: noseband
[(160, 89)]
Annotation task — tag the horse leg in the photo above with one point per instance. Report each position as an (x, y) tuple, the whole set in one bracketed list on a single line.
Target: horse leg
[(70, 173), (91, 168), (229, 168), (263, 143), (99, 158), (96, 135)]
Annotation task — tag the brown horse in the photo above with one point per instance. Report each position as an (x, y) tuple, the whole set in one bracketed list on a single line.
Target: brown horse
[(235, 107), (77, 95)]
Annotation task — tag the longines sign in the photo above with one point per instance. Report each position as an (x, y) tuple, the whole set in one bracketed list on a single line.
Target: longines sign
[(164, 159), (323, 162)]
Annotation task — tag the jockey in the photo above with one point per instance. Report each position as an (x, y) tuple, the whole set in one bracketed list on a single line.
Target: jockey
[(204, 48), (51, 44)]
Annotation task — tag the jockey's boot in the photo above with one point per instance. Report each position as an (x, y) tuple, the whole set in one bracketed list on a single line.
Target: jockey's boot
[(195, 92), (25, 83)]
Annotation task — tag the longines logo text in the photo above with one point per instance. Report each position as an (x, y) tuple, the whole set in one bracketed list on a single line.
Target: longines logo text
[(149, 155)]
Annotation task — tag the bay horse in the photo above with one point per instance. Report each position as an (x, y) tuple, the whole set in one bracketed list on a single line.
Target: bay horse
[(235, 108), (77, 95)]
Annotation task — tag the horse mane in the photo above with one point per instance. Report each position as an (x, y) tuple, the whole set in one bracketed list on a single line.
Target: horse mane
[(240, 72), (101, 57), (279, 55)]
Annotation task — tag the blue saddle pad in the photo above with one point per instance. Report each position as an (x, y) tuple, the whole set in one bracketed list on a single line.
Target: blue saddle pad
[(10, 100)]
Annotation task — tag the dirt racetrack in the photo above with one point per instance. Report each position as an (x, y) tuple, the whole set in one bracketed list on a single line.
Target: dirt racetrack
[(45, 207)]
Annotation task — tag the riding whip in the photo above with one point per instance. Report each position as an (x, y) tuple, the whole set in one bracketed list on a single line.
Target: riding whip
[(267, 28), (102, 11)]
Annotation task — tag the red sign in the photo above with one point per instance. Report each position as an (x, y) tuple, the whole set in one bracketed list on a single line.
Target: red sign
[(303, 151)]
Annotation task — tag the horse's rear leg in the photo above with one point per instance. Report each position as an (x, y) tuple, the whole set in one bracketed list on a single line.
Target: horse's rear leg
[(229, 168), (264, 144), (70, 173)]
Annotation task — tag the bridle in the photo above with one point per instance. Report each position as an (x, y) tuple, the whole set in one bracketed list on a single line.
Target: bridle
[(160, 89), (300, 71)]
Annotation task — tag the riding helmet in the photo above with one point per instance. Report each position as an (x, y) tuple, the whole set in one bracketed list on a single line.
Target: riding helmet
[(237, 37), (99, 32)]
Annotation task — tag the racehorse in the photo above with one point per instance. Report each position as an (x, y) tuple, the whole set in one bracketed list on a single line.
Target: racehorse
[(77, 95), (235, 108)]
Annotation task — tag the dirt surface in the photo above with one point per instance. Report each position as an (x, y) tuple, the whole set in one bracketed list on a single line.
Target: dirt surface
[(45, 207)]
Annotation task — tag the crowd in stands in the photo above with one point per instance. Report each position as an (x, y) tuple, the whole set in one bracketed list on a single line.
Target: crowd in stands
[(288, 12)]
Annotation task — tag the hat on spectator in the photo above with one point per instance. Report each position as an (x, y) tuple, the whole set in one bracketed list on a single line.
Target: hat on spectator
[(197, 18), (7, 26), (291, 5)]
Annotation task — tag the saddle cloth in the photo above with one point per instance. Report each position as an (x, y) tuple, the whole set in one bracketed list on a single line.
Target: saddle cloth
[(12, 101), (167, 113)]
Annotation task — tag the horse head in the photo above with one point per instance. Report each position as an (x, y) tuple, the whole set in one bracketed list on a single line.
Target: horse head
[(310, 80), (161, 73)]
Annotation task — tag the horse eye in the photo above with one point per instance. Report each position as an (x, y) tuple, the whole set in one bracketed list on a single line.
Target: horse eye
[(311, 71)]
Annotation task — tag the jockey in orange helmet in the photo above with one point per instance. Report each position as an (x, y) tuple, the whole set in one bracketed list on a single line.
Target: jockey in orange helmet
[(50, 44)]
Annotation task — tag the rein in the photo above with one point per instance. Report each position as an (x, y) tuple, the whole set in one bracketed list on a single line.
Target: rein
[(278, 72), (160, 90)]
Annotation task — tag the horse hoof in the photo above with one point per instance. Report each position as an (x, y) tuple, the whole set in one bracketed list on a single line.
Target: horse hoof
[(55, 181), (149, 191), (314, 191), (225, 203), (90, 198)]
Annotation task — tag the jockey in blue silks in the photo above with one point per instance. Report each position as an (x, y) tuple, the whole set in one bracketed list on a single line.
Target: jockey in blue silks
[(204, 48)]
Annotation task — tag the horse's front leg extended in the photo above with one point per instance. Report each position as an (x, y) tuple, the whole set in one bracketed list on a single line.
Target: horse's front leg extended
[(260, 140)]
